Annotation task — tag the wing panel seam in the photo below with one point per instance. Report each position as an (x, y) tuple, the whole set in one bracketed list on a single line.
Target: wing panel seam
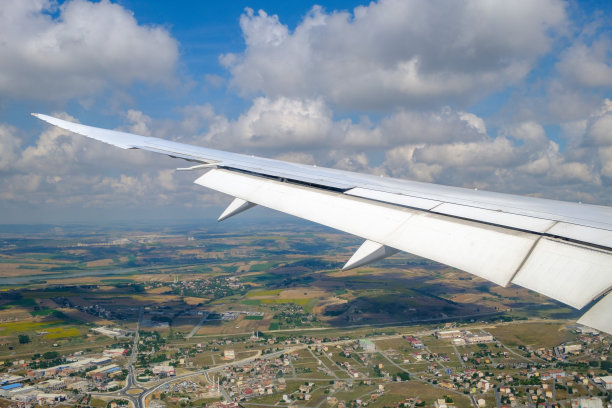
[(533, 247)]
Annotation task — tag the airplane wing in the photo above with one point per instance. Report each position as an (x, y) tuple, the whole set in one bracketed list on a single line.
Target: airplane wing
[(560, 249)]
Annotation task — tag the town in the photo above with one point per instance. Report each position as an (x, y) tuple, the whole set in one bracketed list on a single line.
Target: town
[(460, 367)]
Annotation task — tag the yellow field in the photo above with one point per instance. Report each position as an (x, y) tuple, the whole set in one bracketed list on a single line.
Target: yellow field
[(16, 327), (60, 333)]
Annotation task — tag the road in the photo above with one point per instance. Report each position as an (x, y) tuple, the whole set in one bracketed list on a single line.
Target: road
[(389, 324), (458, 355), (130, 381), (197, 326)]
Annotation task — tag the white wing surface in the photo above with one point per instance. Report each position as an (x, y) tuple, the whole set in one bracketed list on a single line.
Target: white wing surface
[(560, 249)]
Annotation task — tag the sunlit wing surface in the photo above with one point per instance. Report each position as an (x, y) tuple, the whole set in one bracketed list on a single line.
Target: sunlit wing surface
[(560, 249)]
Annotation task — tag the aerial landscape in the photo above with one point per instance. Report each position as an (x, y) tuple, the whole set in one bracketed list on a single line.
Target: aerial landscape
[(299, 204), (263, 316)]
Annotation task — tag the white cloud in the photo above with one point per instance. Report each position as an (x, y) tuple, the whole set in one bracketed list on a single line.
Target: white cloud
[(297, 157), (9, 146), (282, 124), (61, 169), (396, 52), (274, 123), (599, 133), (140, 123), (85, 48), (444, 126), (498, 152), (589, 66)]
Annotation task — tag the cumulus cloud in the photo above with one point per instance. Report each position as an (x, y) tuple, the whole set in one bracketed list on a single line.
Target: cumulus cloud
[(588, 65), (520, 159), (61, 169), (429, 127), (274, 123), (444, 146), (598, 127), (9, 146), (283, 124), (52, 52), (395, 52), (575, 85)]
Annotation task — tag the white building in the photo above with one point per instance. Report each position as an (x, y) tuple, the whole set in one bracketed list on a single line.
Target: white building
[(117, 352), (164, 369), (109, 332), (440, 403), (479, 338), (448, 334), (44, 398), (592, 402), (572, 348)]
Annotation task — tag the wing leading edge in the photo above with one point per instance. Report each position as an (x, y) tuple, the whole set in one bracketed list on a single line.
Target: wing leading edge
[(560, 249)]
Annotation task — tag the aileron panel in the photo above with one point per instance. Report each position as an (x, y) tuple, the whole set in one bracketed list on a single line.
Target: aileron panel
[(571, 273)]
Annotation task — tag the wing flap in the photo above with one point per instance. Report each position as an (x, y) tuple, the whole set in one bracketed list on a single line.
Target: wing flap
[(537, 223), (572, 273), (487, 251)]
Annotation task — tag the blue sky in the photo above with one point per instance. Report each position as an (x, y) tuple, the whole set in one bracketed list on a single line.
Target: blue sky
[(506, 96)]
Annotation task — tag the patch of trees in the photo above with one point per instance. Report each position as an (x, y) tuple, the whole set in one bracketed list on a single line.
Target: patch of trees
[(403, 376), (50, 355)]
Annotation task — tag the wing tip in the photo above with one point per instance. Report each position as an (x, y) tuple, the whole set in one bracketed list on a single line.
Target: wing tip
[(44, 118)]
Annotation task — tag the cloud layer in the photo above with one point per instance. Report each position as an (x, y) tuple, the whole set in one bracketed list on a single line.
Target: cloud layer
[(51, 52), (396, 52)]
